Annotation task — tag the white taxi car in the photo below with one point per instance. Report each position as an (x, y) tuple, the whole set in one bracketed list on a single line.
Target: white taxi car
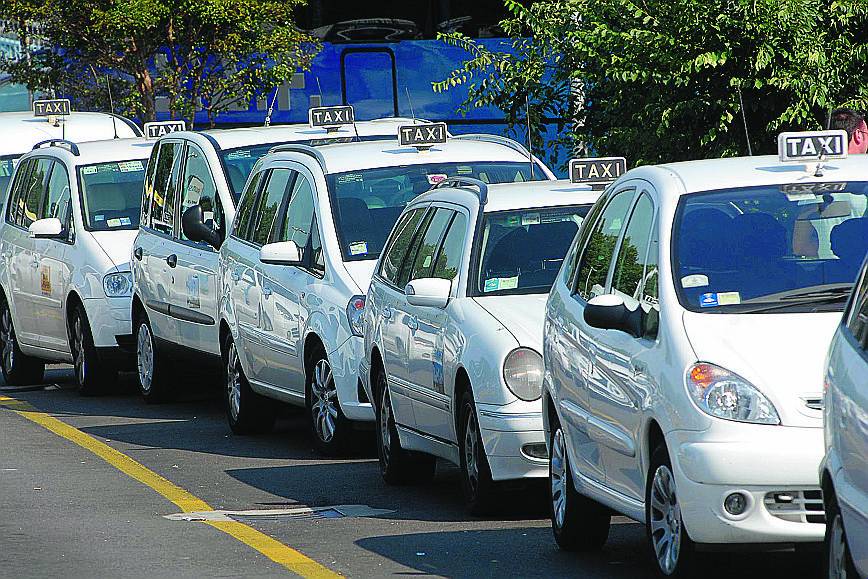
[(65, 243), (684, 347), (175, 308), (295, 269), (22, 130), (453, 330), (844, 472)]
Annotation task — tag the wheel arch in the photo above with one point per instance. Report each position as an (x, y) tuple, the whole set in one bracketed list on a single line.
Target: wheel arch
[(72, 301), (462, 385)]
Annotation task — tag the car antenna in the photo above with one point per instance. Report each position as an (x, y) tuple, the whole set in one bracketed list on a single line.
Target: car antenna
[(410, 101), (529, 138), (744, 120), (319, 88), (829, 119), (108, 85), (271, 107)]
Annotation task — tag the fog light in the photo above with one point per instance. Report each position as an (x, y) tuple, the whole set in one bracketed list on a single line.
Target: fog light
[(535, 450), (735, 504)]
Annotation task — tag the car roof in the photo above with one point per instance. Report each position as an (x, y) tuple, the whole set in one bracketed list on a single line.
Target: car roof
[(514, 196), (101, 151), (713, 174), (23, 130)]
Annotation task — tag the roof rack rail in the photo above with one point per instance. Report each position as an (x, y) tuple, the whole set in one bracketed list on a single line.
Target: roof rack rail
[(465, 183), (63, 143), (398, 118), (506, 141), (300, 148)]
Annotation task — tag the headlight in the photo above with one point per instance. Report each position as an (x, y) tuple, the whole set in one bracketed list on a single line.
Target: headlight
[(523, 373), (355, 315), (722, 394), (118, 285)]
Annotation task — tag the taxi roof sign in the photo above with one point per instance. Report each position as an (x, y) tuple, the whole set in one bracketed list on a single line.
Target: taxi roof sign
[(812, 145), (155, 130), (423, 135), (52, 108), (597, 170), (331, 117)]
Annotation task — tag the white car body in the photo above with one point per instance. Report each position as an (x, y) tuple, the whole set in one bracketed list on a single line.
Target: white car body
[(617, 396), (470, 338), (844, 472), (274, 332), (43, 278)]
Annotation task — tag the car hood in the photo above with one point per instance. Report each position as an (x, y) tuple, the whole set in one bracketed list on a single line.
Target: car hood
[(781, 354), (361, 272), (522, 315), (117, 245)]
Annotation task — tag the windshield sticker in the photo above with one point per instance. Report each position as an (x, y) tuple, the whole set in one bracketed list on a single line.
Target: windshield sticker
[(708, 300), (88, 170), (464, 170), (436, 178), (359, 248), (728, 298), (513, 220), (238, 155), (509, 282), (114, 222), (99, 217), (500, 283), (350, 178), (530, 219), (695, 280), (130, 166)]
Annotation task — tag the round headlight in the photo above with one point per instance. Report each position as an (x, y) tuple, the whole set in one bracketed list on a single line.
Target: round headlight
[(118, 284), (523, 373)]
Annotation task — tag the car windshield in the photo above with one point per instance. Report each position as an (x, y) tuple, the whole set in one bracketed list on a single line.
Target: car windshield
[(779, 248), (520, 252), (111, 194), (366, 203), (7, 165)]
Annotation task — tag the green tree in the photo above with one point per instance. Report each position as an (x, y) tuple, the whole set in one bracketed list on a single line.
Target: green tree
[(206, 54), (664, 80)]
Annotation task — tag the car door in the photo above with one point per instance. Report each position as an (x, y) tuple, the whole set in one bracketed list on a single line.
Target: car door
[(195, 300), (439, 256), (622, 361), (578, 340)]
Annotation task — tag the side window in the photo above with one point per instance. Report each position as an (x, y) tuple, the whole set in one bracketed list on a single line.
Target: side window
[(572, 258), (857, 320), (198, 188), (58, 202), (423, 265), (298, 219), (148, 189), (636, 265), (410, 258), (34, 193), (165, 182), (269, 204), (597, 256), (17, 190), (317, 260), (401, 238), (245, 207), (452, 250)]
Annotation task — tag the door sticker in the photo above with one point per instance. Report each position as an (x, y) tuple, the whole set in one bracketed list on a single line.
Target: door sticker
[(193, 291), (437, 362), (46, 280)]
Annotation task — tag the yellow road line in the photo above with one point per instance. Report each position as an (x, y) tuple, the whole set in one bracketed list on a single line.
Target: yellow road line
[(293, 560)]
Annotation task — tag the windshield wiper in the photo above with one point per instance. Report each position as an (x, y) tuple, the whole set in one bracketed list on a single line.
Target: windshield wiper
[(829, 292)]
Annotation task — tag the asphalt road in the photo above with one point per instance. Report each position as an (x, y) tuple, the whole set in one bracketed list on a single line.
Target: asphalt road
[(67, 512)]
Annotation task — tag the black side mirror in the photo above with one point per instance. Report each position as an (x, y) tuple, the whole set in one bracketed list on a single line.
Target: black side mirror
[(609, 312), (195, 229)]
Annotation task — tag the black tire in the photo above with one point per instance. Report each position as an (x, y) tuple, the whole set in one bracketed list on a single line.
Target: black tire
[(330, 430), (18, 369), (578, 523), (837, 559), (480, 491), (397, 466), (93, 375), (671, 547), (246, 411), (152, 368)]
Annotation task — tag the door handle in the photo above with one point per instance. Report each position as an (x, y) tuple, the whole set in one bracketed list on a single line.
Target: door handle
[(412, 323), (235, 275), (172, 260), (34, 264), (386, 313), (266, 291), (638, 368), (137, 253)]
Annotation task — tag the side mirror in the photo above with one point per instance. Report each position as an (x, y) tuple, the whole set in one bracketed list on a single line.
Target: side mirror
[(280, 253), (48, 228), (195, 229), (428, 292), (609, 312)]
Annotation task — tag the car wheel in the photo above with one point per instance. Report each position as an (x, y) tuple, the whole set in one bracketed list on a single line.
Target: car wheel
[(330, 429), (150, 365), (92, 374), (480, 491), (838, 561), (671, 547), (578, 523), (18, 369), (246, 411), (397, 466)]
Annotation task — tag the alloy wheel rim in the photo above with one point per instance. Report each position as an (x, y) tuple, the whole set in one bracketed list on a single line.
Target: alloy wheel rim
[(324, 410), (665, 520), (233, 383), (145, 357), (80, 362), (385, 419), (838, 550), (7, 335), (471, 461), (558, 476)]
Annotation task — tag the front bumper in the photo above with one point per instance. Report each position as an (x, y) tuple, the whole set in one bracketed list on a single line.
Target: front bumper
[(345, 361), (774, 467), (110, 322), (514, 440)]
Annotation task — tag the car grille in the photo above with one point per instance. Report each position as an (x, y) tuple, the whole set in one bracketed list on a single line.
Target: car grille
[(804, 506)]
